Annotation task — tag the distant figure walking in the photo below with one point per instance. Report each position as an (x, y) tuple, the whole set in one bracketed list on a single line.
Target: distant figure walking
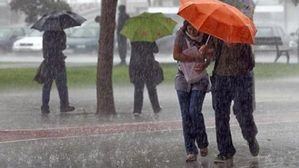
[(53, 68), (122, 40), (97, 19), (145, 70)]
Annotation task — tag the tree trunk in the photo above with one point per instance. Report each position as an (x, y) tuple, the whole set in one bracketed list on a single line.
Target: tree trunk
[(105, 100)]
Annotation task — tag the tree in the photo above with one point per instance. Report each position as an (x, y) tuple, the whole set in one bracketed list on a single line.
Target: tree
[(105, 100), (35, 8)]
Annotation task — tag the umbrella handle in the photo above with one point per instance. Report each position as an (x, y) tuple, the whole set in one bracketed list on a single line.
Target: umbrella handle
[(208, 39)]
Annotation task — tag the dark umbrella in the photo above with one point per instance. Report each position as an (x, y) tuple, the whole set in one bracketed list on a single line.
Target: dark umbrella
[(58, 20)]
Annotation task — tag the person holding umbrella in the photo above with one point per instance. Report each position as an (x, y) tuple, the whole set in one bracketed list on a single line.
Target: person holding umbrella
[(53, 66), (232, 74), (143, 30), (191, 93)]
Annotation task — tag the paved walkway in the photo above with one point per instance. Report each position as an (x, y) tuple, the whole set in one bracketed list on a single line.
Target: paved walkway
[(82, 139), (278, 141)]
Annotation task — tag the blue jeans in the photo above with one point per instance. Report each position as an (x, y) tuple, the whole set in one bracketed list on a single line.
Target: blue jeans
[(192, 119), (226, 89)]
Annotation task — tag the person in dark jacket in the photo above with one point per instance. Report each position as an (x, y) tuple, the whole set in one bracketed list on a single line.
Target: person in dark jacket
[(122, 40), (54, 42), (144, 70), (232, 81)]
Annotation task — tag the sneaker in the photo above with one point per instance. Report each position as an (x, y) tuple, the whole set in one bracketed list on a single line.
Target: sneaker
[(191, 157), (67, 109), (254, 147), (45, 109)]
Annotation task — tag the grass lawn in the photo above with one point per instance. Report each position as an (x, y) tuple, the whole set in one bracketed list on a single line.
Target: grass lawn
[(21, 78)]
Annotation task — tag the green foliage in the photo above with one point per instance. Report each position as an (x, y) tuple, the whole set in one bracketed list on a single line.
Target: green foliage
[(35, 8)]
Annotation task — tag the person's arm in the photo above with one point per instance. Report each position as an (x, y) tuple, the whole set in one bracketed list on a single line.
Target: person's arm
[(248, 53), (155, 47), (178, 52), (45, 46), (63, 41)]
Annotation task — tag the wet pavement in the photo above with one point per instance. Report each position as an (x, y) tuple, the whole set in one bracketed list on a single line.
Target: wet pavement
[(276, 99), (279, 149), (83, 139)]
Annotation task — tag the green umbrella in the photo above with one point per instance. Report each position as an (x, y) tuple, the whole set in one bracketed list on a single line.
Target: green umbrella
[(148, 27)]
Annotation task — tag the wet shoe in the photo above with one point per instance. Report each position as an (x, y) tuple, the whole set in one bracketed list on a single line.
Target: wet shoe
[(156, 111), (204, 152), (67, 109), (254, 147), (223, 159), (45, 110), (136, 114), (191, 157)]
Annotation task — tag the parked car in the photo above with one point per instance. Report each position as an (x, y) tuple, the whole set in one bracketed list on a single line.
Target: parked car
[(32, 42), (83, 39), (8, 35)]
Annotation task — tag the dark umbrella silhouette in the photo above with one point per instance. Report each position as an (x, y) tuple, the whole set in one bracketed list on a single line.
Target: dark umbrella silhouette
[(58, 20)]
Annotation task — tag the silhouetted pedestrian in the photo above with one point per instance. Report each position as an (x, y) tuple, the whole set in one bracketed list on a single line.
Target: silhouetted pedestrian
[(53, 68), (97, 19), (122, 40), (145, 70)]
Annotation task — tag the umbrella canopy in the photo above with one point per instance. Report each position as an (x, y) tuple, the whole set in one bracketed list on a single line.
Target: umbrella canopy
[(148, 27), (58, 20), (218, 19)]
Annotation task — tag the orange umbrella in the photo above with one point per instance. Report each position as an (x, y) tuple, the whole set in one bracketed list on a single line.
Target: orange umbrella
[(218, 19)]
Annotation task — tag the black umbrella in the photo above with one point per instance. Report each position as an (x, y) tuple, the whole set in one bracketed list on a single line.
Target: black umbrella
[(58, 20)]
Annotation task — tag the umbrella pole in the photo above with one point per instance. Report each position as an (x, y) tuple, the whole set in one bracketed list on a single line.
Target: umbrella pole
[(208, 40)]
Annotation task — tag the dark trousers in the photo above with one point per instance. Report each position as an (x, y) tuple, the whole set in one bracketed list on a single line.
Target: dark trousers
[(61, 83), (226, 89), (122, 47), (194, 129), (138, 96)]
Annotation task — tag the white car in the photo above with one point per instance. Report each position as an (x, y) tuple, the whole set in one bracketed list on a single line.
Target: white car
[(32, 42)]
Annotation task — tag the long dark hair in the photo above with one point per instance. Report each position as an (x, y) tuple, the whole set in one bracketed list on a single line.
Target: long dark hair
[(184, 29)]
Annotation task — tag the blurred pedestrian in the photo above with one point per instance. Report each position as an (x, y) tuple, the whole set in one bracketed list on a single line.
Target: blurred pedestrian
[(122, 40), (53, 68), (145, 70), (97, 19), (191, 94)]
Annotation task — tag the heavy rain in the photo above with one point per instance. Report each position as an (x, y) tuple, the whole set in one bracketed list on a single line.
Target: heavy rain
[(149, 83)]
